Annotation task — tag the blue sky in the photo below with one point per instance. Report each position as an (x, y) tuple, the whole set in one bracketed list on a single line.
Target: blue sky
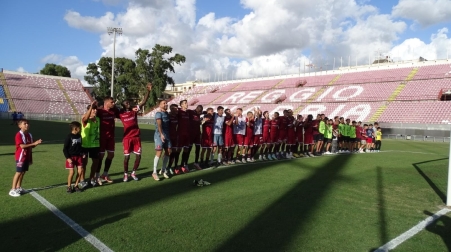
[(241, 38)]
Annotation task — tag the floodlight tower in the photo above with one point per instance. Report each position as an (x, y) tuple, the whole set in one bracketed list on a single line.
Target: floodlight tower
[(113, 31)]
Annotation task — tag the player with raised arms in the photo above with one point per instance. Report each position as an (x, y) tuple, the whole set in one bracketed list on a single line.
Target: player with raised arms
[(132, 140)]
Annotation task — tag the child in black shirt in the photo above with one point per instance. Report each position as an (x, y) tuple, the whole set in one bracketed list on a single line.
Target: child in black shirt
[(74, 157)]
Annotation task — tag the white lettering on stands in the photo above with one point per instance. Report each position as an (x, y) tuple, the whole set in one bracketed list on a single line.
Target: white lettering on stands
[(234, 97), (362, 111), (337, 111), (305, 94), (325, 93), (357, 92), (313, 109), (251, 96), (272, 95)]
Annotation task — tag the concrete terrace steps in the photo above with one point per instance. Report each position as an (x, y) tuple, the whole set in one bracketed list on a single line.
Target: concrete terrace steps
[(402, 85), (72, 105), (394, 95)]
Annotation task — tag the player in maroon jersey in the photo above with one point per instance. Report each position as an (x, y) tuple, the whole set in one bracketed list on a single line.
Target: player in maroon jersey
[(266, 142), (274, 134), (229, 144), (107, 116), (173, 135), (249, 137), (283, 130), (308, 136), (291, 134), (358, 130), (183, 131), (315, 130), (207, 137), (132, 140), (299, 125), (195, 134)]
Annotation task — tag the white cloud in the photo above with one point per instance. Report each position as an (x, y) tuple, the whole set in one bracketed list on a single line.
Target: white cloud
[(21, 70), (424, 12), (91, 24), (51, 58), (273, 37), (414, 48), (76, 67)]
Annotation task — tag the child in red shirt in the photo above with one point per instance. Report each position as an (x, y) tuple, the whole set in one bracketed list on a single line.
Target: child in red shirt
[(24, 144)]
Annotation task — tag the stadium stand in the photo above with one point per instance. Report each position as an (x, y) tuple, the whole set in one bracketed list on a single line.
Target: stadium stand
[(4, 106), (408, 93), (34, 93)]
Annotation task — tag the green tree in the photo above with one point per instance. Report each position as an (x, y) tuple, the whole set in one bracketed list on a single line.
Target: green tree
[(154, 67), (55, 70), (125, 78), (131, 77)]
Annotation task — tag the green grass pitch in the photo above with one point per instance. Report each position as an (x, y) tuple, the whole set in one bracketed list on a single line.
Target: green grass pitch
[(334, 203)]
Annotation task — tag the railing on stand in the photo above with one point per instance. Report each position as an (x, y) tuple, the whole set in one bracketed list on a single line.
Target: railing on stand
[(44, 117)]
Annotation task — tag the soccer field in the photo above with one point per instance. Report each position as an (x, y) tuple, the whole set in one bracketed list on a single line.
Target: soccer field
[(345, 202)]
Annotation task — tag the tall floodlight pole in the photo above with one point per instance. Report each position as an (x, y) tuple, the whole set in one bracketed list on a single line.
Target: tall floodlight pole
[(113, 31)]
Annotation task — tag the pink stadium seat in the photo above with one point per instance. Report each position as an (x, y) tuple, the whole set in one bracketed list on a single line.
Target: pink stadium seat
[(41, 94)]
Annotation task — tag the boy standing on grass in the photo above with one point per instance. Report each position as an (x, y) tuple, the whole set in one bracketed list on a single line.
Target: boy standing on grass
[(378, 139), (24, 145), (74, 157)]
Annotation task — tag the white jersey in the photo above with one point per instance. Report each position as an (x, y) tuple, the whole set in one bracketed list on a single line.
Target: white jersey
[(240, 127), (218, 124), (258, 125)]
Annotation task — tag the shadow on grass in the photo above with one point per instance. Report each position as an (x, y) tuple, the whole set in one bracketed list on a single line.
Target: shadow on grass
[(429, 180), (272, 230), (441, 227), (278, 224), (383, 236)]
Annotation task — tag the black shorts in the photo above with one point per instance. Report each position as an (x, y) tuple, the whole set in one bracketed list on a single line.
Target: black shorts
[(91, 152), (353, 140), (328, 140), (346, 139), (320, 137), (22, 166)]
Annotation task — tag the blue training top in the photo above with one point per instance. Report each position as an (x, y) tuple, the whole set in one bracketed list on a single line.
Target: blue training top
[(165, 122)]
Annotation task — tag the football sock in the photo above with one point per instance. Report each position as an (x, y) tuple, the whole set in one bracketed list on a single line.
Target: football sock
[(155, 164), (185, 158), (165, 162), (126, 158), (219, 158), (197, 153), (176, 158), (171, 159), (137, 162), (108, 162)]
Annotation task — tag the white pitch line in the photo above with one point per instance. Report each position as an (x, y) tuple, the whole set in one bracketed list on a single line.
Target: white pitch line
[(413, 152), (413, 231), (80, 230)]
